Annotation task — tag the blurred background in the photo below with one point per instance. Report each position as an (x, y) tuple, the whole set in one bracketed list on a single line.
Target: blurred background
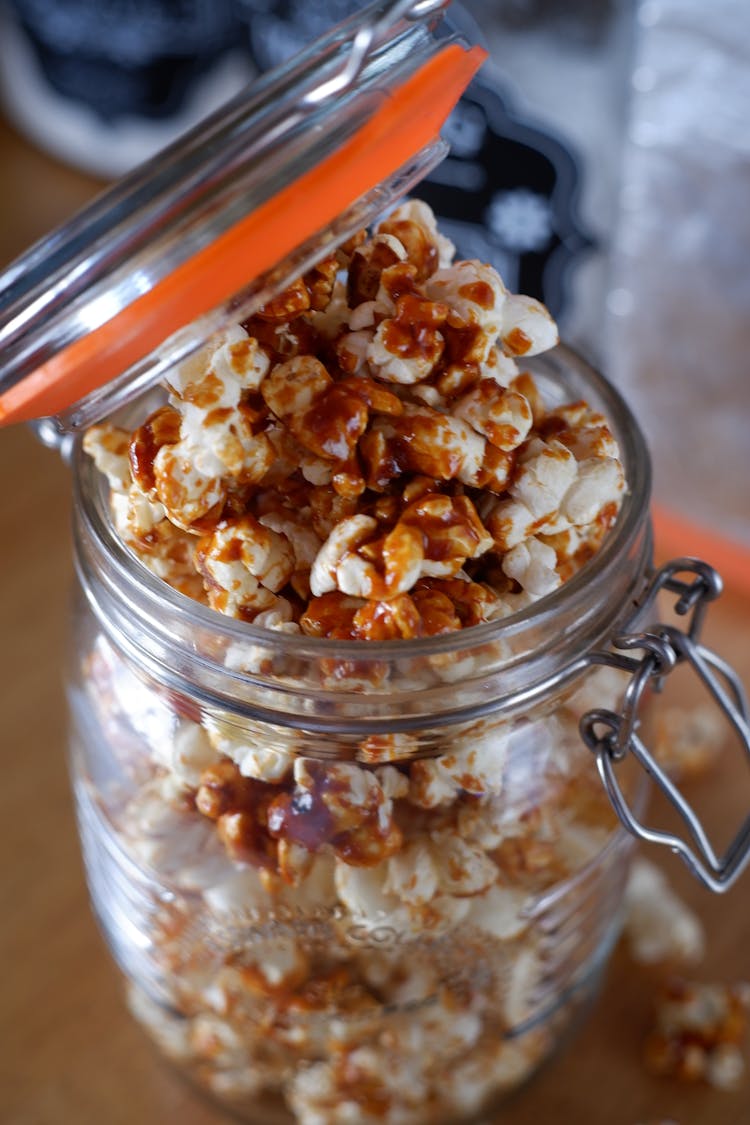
[(601, 161)]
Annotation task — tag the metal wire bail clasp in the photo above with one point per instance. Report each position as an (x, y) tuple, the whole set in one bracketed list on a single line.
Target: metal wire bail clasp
[(612, 735)]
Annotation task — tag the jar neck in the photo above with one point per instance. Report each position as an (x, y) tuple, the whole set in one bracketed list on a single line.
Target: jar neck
[(503, 666)]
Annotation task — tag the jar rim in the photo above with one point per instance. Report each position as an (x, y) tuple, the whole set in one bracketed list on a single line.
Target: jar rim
[(562, 626)]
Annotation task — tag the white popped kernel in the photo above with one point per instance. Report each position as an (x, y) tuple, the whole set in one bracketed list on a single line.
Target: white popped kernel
[(344, 539), (599, 481), (523, 985), (658, 925), (464, 869), (297, 531), (475, 766), (533, 565), (498, 367), (190, 752), (329, 321), (362, 890), (292, 387), (499, 1065), (275, 964), (393, 783), (266, 763), (189, 482), (413, 874), (546, 472), (362, 317), (108, 446), (500, 911), (510, 522), (241, 554), (353, 348), (379, 748), (725, 1067), (527, 327), (160, 831), (143, 513), (504, 417)]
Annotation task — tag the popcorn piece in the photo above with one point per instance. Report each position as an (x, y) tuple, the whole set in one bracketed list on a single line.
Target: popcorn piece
[(160, 831), (500, 912), (688, 742), (274, 966), (448, 864), (406, 347), (378, 748), (187, 753), (215, 380), (699, 1033), (340, 544), (239, 806), (367, 264), (243, 564), (599, 482), (534, 566), (264, 763), (363, 1086), (414, 224), (497, 1066), (659, 926), (337, 804), (476, 296), (362, 890), (527, 327), (504, 417), (476, 766), (188, 454), (108, 446)]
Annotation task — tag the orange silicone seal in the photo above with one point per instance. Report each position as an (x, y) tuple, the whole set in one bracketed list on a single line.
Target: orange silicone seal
[(410, 117)]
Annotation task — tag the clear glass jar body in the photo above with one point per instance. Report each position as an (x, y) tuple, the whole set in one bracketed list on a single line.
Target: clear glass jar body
[(347, 881)]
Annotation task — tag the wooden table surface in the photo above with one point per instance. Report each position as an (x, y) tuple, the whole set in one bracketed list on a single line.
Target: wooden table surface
[(70, 1053)]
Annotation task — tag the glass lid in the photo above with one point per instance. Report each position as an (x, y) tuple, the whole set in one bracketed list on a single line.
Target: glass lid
[(206, 230)]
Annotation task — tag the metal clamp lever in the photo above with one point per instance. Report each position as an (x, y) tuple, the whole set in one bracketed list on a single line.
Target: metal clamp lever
[(611, 735)]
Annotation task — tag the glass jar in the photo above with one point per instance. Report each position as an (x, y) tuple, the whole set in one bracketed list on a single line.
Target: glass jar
[(344, 881), (345, 884)]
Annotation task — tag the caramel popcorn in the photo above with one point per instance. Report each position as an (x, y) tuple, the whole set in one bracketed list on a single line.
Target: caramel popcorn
[(282, 468), (352, 928), (699, 1033)]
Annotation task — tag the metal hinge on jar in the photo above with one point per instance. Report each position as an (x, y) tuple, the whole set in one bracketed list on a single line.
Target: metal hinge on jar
[(612, 736)]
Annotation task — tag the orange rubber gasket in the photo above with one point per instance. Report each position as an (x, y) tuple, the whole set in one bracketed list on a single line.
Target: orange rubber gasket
[(410, 117)]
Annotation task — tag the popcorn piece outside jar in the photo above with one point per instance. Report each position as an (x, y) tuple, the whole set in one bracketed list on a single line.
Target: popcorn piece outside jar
[(659, 927)]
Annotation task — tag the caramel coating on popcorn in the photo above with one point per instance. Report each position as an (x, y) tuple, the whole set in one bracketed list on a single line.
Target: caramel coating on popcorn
[(374, 410), (339, 913), (699, 1033)]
